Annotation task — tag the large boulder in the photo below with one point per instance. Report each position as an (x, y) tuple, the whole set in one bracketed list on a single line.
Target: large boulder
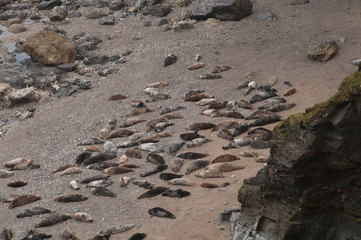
[(227, 10), (50, 48), (311, 186)]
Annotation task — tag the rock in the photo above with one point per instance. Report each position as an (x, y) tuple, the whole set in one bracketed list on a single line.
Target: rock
[(5, 89), (107, 21), (17, 28), (59, 13), (24, 95), (95, 15), (226, 214), (312, 181), (50, 48), (182, 25), (227, 10), (49, 5), (267, 16), (140, 4), (323, 52), (67, 67), (212, 22), (115, 5), (74, 14), (160, 21), (159, 10), (299, 2), (4, 2), (12, 21)]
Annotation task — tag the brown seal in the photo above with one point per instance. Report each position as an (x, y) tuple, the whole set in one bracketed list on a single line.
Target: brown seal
[(17, 184), (196, 98), (53, 219), (206, 173), (117, 170), (227, 125), (194, 166), (225, 134), (289, 91), (70, 171), (134, 153), (153, 192), (23, 200), (160, 212), (63, 167), (139, 111), (131, 121), (172, 115), (224, 167), (116, 97), (169, 176), (155, 158), (200, 126), (225, 158), (151, 124), (120, 133), (218, 105), (71, 198), (81, 158), (209, 185)]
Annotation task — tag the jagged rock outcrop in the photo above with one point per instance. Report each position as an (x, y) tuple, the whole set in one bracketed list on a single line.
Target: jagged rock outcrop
[(227, 10), (311, 186)]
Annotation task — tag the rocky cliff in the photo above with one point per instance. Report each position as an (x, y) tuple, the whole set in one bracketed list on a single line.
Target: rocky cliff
[(311, 186)]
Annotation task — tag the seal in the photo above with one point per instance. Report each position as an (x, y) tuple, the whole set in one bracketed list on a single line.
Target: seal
[(157, 169), (91, 141), (196, 142), (209, 185), (153, 192), (150, 147), (262, 96), (232, 114), (270, 102), (78, 161), (103, 133), (14, 162), (172, 115), (200, 126), (102, 166), (158, 97), (179, 193), (169, 176), (236, 143), (232, 105), (137, 104), (129, 165), (196, 98), (196, 65), (83, 217), (249, 154), (266, 88), (162, 135), (120, 133), (17, 184), (210, 76), (25, 165), (218, 105), (206, 173), (194, 166), (138, 111), (152, 139), (100, 157), (120, 229), (99, 183), (104, 192), (123, 181), (171, 109), (100, 237), (67, 234), (190, 136), (193, 92), (155, 158), (133, 153), (176, 165), (224, 167), (267, 134), (240, 129), (100, 176), (161, 212), (71, 171), (92, 149), (32, 234), (23, 200), (225, 134), (205, 101), (175, 147), (157, 84), (279, 107), (71, 198), (170, 59), (219, 68), (181, 181), (116, 97), (261, 113), (144, 184), (53, 219), (244, 104), (159, 127), (131, 121), (264, 120), (227, 125), (289, 91), (138, 236), (32, 212), (192, 155), (117, 170), (225, 158), (210, 113)]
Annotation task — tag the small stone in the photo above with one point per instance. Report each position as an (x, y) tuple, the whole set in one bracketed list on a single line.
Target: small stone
[(160, 22), (182, 25), (147, 24), (211, 209), (267, 16), (74, 14), (107, 21), (17, 28), (67, 67), (225, 203)]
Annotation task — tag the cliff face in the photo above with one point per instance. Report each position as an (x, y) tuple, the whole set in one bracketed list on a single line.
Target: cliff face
[(311, 186)]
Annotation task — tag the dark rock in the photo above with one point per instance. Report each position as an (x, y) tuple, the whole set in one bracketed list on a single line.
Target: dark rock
[(107, 21), (159, 10), (116, 5), (182, 25), (170, 59), (227, 10), (100, 59), (59, 13), (35, 17), (226, 214), (160, 22), (147, 24), (85, 43), (68, 88), (210, 76), (140, 4), (267, 16), (299, 2), (310, 188), (49, 5)]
